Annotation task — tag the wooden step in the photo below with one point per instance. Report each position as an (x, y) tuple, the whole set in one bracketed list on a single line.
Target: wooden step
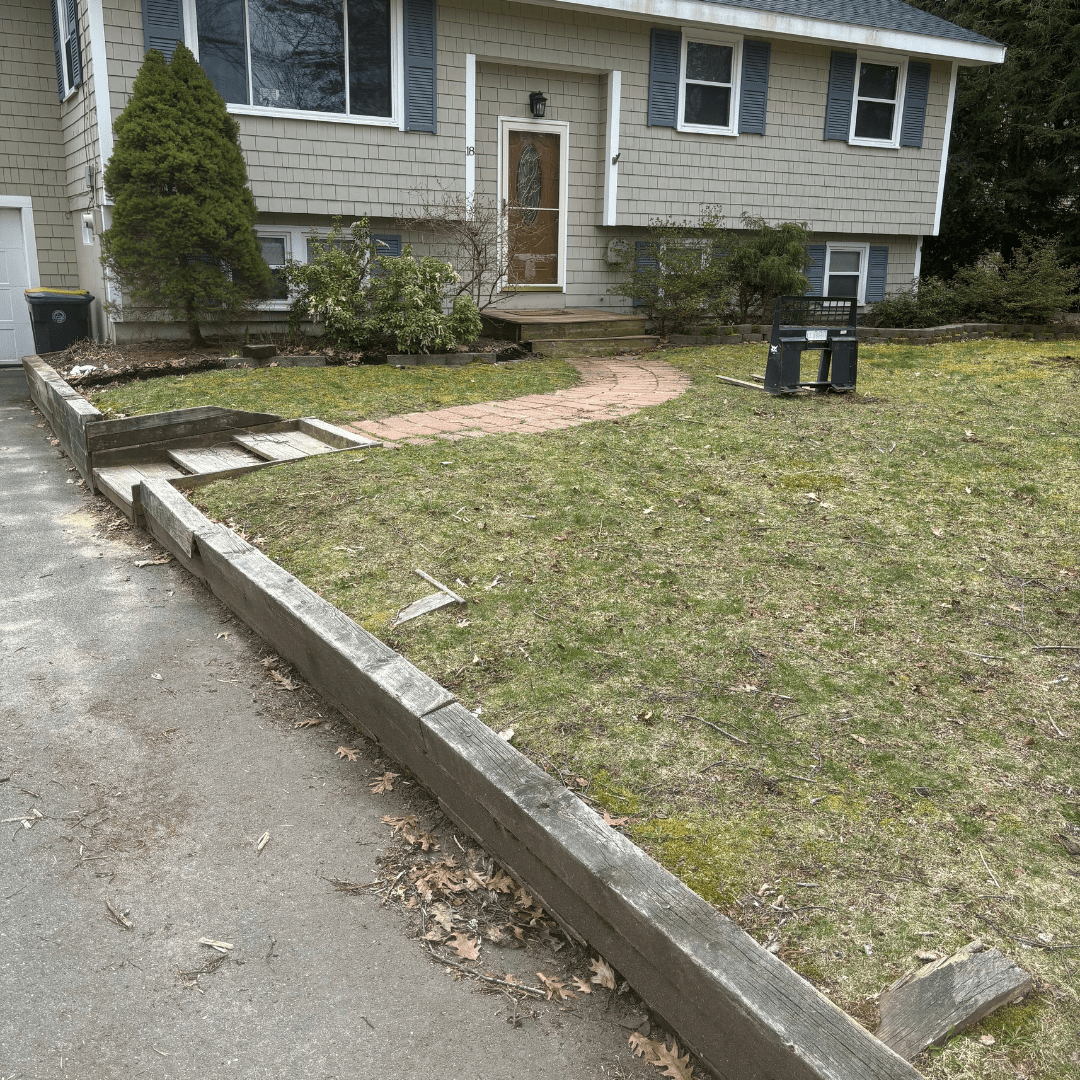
[(116, 482), (282, 445), (212, 459), (599, 346)]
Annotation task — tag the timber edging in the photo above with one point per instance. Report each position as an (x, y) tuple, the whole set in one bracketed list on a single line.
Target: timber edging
[(743, 1012)]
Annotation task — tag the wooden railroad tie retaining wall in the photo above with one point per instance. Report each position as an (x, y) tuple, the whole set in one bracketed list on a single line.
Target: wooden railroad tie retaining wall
[(744, 1012)]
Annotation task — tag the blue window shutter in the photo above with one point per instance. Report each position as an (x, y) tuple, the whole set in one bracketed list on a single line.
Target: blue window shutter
[(841, 93), (754, 94), (387, 245), (58, 55), (664, 78), (163, 25), (877, 269), (918, 87), (420, 73), (645, 258), (75, 52), (816, 270)]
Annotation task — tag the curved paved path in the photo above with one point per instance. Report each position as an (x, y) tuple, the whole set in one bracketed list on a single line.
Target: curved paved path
[(609, 387)]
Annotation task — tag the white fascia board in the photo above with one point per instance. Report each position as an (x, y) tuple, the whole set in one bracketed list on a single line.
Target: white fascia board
[(770, 24), (99, 69)]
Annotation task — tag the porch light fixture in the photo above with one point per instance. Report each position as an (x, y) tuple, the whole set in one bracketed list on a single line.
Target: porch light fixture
[(537, 104)]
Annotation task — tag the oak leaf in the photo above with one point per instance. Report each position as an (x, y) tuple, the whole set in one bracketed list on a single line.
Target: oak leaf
[(442, 914), (307, 723), (675, 1067), (582, 985), (283, 681), (605, 974), (614, 822), (464, 946), (501, 882), (399, 824), (346, 752), (555, 988), (427, 841), (383, 783)]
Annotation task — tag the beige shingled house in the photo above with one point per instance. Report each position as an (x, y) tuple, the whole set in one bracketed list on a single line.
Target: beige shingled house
[(590, 116)]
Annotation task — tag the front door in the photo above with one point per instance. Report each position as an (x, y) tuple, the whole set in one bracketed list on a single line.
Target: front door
[(16, 337), (533, 190)]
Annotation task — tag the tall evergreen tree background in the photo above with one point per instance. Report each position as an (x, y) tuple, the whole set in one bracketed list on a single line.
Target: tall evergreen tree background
[(182, 241), (1014, 159)]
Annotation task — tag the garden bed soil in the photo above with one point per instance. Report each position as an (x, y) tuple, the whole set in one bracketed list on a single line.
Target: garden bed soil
[(117, 364)]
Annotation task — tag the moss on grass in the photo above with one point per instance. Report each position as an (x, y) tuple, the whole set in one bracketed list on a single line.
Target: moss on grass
[(851, 587), (337, 394)]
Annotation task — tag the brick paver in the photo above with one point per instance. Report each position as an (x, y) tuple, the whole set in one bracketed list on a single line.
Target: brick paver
[(609, 388)]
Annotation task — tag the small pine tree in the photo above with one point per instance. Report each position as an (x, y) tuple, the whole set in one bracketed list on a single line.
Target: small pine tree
[(182, 238)]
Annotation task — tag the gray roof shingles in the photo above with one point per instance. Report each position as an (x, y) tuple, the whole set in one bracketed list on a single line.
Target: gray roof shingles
[(878, 14)]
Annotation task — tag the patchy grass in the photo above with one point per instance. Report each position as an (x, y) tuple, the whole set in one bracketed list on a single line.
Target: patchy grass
[(338, 394), (851, 587)]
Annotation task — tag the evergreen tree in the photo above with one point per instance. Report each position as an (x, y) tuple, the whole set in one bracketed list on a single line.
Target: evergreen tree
[(1014, 159), (182, 238)]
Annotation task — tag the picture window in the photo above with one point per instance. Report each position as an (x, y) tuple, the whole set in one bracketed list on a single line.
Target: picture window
[(321, 56)]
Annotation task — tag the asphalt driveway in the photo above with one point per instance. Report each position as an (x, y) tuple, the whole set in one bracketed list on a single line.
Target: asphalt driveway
[(143, 753)]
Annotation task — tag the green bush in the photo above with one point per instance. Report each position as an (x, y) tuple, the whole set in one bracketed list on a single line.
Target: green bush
[(683, 272), (365, 300), (764, 262), (671, 273), (1035, 286), (406, 306), (330, 288)]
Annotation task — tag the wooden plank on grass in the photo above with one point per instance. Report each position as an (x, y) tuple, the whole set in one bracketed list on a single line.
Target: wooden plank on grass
[(334, 436), (423, 606), (743, 1011), (119, 483), (928, 1006)]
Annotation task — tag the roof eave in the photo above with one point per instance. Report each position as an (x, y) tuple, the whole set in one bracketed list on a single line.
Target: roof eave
[(771, 24)]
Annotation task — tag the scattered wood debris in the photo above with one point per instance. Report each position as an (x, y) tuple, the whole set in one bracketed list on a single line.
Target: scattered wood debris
[(121, 918), (433, 602), (927, 1006)]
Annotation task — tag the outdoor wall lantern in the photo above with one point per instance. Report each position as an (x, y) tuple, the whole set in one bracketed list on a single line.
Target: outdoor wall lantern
[(537, 104)]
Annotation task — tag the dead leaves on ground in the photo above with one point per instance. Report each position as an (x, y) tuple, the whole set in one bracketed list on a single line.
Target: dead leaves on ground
[(382, 783), (604, 973), (556, 988), (283, 680), (466, 947), (348, 752), (658, 1054), (406, 828)]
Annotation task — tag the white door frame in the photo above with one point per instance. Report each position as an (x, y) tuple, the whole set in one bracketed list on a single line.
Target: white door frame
[(24, 204), (558, 127)]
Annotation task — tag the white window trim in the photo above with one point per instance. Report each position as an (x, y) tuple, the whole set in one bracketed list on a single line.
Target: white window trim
[(61, 13), (294, 241), (397, 79), (901, 93), (708, 38), (864, 250), (558, 127)]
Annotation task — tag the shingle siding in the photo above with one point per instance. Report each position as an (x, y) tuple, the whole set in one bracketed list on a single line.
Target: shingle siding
[(33, 129)]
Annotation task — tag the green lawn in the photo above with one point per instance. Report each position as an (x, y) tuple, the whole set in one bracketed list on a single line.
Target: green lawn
[(337, 394), (851, 587)]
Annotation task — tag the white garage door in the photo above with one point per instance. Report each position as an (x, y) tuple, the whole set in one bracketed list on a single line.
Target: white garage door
[(16, 337)]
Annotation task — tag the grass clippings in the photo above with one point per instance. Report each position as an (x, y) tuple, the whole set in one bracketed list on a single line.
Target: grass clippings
[(337, 394), (794, 642)]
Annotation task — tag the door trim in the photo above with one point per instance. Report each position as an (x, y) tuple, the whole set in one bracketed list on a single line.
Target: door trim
[(558, 127), (24, 205)]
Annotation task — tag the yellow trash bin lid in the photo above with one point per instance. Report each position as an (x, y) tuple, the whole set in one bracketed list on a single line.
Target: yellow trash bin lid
[(44, 293)]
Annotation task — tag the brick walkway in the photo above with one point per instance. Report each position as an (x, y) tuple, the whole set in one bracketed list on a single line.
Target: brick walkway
[(609, 387)]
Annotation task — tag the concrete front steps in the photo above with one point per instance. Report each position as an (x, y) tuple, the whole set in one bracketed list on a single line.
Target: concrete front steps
[(572, 331)]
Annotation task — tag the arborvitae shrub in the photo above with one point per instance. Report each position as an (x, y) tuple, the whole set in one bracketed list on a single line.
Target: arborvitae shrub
[(182, 243)]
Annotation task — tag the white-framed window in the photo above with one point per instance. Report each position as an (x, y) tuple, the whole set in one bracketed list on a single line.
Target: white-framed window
[(280, 243), (879, 92), (65, 15), (320, 59), (709, 86), (845, 270)]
